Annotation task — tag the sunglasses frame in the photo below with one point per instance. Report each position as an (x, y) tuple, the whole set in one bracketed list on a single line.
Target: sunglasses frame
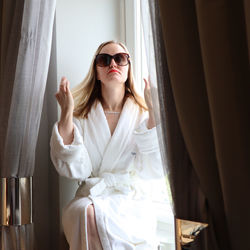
[(113, 57)]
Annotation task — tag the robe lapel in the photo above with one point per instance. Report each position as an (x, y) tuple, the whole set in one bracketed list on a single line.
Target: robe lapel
[(121, 139), (97, 135)]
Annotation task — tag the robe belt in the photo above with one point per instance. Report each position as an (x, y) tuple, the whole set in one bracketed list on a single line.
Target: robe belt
[(116, 181)]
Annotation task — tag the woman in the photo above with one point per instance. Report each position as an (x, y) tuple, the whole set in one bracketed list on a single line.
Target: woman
[(106, 139)]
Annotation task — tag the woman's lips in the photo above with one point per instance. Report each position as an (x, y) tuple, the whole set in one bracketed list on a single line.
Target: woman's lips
[(113, 70)]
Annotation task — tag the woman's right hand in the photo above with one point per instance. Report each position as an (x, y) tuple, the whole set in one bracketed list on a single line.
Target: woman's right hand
[(66, 102), (65, 98)]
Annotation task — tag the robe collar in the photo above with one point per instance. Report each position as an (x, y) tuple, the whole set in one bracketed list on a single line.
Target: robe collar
[(113, 147)]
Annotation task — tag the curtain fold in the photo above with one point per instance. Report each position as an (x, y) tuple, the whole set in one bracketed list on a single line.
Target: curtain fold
[(10, 31), (17, 237), (202, 52), (181, 40), (226, 67), (26, 34), (28, 88)]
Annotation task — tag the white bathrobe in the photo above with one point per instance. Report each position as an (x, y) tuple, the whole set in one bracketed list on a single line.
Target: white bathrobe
[(114, 172)]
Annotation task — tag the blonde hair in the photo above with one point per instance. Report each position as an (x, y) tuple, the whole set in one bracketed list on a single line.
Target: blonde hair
[(89, 90)]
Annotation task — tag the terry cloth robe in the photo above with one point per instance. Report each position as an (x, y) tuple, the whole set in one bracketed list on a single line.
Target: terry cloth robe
[(114, 172)]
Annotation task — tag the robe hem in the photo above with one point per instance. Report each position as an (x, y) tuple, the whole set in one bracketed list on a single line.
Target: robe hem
[(102, 233)]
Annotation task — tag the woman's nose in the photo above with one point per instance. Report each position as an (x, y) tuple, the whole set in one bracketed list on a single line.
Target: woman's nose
[(112, 63)]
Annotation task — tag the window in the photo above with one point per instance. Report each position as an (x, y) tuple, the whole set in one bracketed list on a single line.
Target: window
[(134, 38)]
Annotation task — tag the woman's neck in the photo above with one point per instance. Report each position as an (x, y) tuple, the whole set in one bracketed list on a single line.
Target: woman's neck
[(113, 99)]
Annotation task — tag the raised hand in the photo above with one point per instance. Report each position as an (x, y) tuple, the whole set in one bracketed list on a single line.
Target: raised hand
[(64, 97), (147, 94), (148, 100), (66, 102)]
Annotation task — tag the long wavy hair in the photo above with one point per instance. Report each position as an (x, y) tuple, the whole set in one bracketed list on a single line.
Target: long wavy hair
[(88, 91)]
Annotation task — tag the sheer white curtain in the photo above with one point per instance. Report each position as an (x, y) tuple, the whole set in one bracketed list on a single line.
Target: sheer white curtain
[(152, 72), (26, 28), (166, 221)]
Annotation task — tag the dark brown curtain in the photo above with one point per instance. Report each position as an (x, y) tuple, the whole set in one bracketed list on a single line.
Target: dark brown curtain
[(202, 60), (11, 13)]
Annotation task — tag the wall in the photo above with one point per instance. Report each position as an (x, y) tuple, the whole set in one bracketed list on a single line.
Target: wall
[(81, 27)]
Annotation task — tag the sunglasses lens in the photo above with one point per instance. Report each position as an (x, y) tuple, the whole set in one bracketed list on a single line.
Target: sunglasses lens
[(103, 60), (121, 59)]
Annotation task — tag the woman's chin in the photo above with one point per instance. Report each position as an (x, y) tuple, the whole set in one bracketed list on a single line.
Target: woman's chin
[(114, 81)]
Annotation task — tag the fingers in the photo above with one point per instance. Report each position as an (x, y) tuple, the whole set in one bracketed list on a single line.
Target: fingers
[(147, 94), (147, 85), (63, 89), (64, 85), (64, 96), (67, 87), (57, 96)]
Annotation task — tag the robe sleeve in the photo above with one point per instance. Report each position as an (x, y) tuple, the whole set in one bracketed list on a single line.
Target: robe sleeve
[(72, 160), (148, 157)]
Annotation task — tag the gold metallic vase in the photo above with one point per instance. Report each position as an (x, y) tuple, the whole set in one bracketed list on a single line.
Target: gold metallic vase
[(16, 201)]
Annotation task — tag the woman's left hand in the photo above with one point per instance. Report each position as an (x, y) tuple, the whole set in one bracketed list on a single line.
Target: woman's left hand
[(148, 100), (147, 94)]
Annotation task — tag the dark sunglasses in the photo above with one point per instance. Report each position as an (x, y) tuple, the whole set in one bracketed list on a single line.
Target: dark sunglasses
[(103, 60)]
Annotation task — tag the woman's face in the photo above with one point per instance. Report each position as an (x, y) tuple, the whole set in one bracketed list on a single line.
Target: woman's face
[(112, 73)]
